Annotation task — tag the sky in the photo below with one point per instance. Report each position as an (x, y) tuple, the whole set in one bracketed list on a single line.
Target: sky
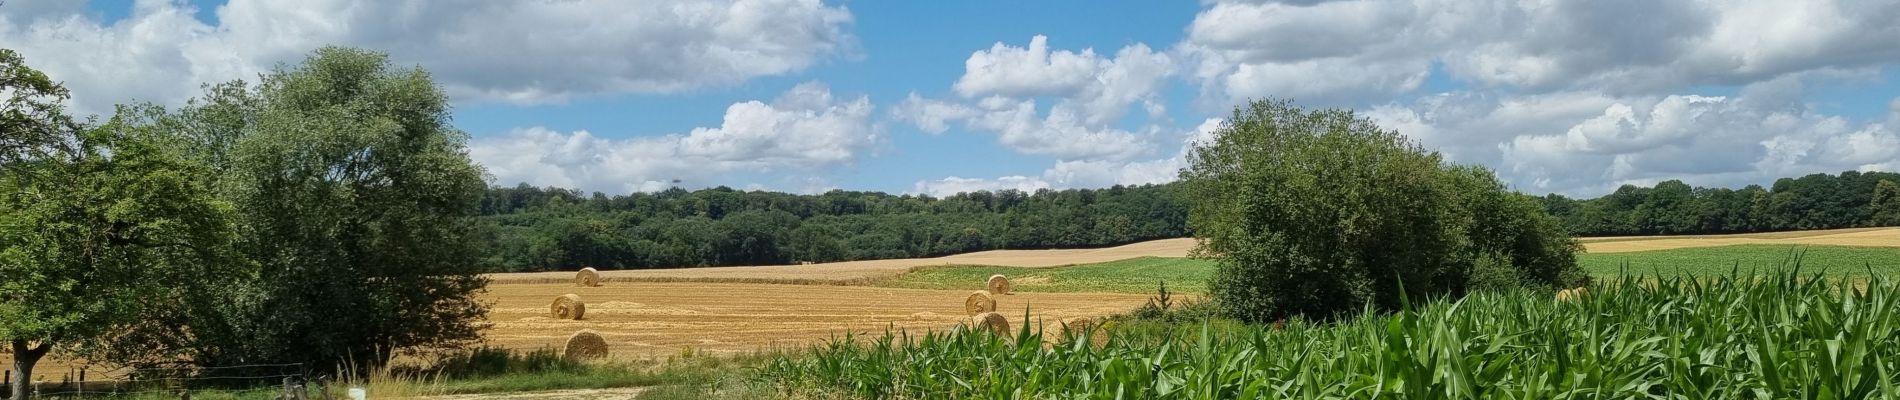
[(1574, 97)]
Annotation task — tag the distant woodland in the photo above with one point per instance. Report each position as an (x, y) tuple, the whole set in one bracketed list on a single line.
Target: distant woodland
[(531, 228), (1818, 201), (535, 229)]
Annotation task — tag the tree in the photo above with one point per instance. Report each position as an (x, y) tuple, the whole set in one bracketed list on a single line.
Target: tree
[(1323, 213), (97, 228), (355, 200), (1318, 214), (1512, 236), (1885, 204)]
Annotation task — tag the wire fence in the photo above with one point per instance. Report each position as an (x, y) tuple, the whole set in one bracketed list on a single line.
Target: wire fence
[(288, 379)]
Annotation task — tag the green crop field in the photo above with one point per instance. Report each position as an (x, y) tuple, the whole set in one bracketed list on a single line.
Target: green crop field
[(1137, 275), (1141, 275), (1692, 338), (1707, 261)]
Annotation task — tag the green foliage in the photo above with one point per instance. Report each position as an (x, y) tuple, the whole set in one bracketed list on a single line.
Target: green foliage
[(1732, 337), (33, 115), (1322, 213), (1135, 275), (488, 370), (355, 202), (1817, 201), (491, 361), (1513, 241), (1885, 204), (1752, 258), (535, 229), (98, 226)]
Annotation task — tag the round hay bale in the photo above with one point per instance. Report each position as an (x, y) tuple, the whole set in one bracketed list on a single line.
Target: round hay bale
[(1078, 326), (992, 322), (586, 345), (568, 306), (588, 277), (979, 302), (1572, 293), (999, 284)]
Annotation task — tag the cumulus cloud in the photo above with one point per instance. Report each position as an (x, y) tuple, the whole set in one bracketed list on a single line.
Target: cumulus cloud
[(1025, 72), (805, 129), (520, 52), (1000, 88), (1706, 140), (1357, 51)]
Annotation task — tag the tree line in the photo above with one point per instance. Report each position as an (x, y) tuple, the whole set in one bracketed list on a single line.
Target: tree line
[(1818, 201), (528, 228)]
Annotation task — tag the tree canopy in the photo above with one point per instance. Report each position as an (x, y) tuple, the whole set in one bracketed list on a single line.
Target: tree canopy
[(355, 202), (98, 225), (1323, 213)]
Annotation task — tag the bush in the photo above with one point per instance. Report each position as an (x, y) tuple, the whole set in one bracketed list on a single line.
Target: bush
[(1319, 214)]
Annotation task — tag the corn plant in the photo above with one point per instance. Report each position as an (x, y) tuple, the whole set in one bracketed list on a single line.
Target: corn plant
[(1784, 336)]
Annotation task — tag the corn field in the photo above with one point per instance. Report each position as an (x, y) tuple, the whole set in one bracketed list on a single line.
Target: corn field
[(1787, 336)]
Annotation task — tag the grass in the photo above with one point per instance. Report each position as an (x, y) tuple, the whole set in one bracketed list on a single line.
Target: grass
[(1138, 275), (1713, 261), (487, 371), (1787, 336), (492, 371)]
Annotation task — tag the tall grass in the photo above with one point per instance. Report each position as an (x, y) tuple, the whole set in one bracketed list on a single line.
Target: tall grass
[(1783, 336)]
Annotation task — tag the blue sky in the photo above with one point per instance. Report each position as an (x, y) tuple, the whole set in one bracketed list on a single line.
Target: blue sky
[(1572, 97)]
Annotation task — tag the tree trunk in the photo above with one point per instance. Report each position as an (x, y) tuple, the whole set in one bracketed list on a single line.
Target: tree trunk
[(23, 359)]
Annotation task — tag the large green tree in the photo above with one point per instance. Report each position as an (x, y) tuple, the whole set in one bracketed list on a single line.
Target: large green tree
[(1885, 204), (1319, 213), (98, 226), (354, 198), (1323, 213)]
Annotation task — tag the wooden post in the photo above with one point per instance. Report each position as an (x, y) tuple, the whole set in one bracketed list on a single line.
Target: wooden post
[(82, 382)]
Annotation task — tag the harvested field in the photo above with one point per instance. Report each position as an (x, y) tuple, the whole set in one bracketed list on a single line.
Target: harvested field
[(655, 320), (1879, 237), (855, 272)]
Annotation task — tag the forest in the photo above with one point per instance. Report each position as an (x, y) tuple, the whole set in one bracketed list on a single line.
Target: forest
[(1818, 201), (530, 228)]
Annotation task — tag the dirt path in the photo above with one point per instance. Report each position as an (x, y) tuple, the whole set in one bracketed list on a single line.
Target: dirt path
[(861, 271), (655, 320), (1885, 237)]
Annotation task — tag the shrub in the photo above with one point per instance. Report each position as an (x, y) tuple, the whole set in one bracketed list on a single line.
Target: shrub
[(1322, 213)]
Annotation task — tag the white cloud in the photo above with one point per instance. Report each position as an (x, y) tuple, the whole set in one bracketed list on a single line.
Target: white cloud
[(804, 126), (1026, 72), (521, 52), (1361, 51), (1001, 87), (953, 185), (803, 130), (1086, 174), (1701, 140)]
